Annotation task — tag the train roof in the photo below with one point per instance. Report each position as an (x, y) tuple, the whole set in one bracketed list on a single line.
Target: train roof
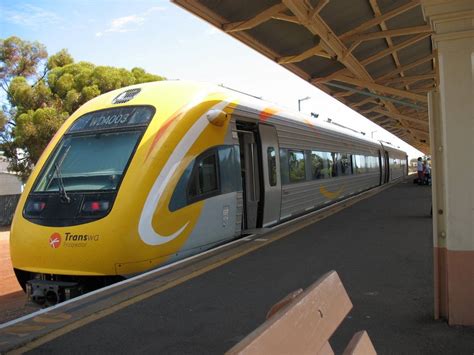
[(155, 90)]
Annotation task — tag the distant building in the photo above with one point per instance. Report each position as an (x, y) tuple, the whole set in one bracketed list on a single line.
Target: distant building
[(10, 184)]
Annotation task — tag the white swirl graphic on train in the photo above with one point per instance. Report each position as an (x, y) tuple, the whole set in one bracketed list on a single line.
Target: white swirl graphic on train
[(145, 227)]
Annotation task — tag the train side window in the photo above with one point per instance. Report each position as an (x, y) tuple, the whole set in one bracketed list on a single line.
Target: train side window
[(345, 164), (327, 165), (284, 169), (317, 165), (215, 172), (229, 169), (272, 174), (336, 167), (180, 198), (296, 165), (357, 164), (204, 182)]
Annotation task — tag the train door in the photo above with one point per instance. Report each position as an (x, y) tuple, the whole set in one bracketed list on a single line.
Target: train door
[(381, 169), (250, 172), (387, 167), (271, 177)]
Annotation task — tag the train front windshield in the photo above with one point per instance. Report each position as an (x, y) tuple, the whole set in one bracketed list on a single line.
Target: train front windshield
[(94, 153)]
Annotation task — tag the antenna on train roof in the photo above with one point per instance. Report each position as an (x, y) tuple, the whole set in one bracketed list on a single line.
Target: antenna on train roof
[(241, 92), (329, 120)]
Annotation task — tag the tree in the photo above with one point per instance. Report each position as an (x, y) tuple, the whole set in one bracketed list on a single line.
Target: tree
[(41, 92)]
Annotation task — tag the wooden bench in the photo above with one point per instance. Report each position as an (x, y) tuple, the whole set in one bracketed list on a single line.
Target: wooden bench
[(303, 322)]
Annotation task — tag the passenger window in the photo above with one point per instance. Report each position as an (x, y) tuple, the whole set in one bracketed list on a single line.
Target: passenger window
[(229, 169), (272, 174), (296, 166), (180, 198), (205, 177), (328, 164), (216, 171), (317, 165), (336, 166), (345, 164), (357, 161), (285, 174)]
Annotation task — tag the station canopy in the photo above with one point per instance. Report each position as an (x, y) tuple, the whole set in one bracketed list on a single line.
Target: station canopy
[(375, 56)]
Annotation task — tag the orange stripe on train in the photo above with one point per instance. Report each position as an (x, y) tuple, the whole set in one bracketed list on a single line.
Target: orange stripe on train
[(267, 113)]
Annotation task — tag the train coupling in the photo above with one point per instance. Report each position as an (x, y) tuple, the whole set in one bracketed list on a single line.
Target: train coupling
[(47, 293)]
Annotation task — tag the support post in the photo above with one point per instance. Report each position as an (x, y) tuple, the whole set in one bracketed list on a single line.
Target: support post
[(451, 112)]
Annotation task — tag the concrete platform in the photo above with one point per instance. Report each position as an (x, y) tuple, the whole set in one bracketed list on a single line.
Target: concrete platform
[(381, 248)]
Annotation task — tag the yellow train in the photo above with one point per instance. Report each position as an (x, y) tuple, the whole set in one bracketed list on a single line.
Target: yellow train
[(152, 173)]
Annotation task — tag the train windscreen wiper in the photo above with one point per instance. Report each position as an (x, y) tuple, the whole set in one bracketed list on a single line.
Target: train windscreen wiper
[(62, 190)]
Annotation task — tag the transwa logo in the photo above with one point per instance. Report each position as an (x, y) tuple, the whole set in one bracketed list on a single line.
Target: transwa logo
[(72, 240), (55, 240)]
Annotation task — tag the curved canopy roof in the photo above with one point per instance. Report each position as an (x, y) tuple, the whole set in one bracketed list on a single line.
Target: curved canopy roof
[(375, 56)]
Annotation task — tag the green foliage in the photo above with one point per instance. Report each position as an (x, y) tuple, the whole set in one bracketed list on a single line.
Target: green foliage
[(3, 120), (59, 59), (19, 58), (38, 109), (35, 128)]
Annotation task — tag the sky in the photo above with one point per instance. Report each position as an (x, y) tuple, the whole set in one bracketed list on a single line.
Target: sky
[(166, 40)]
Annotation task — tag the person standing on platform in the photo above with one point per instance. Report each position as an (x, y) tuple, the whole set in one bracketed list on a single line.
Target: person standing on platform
[(419, 169)]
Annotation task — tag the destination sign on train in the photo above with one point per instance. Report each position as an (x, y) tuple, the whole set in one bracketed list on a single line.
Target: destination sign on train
[(113, 118)]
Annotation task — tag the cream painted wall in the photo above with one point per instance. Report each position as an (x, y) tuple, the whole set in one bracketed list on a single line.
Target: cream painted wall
[(452, 120)]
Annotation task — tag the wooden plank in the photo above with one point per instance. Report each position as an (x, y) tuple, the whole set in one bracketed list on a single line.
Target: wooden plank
[(316, 50), (283, 303), (255, 21), (360, 344), (395, 48), (377, 20), (391, 33), (405, 68), (303, 326), (410, 79), (286, 18), (325, 350), (382, 88), (364, 101), (317, 9), (318, 27), (399, 116), (383, 26)]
